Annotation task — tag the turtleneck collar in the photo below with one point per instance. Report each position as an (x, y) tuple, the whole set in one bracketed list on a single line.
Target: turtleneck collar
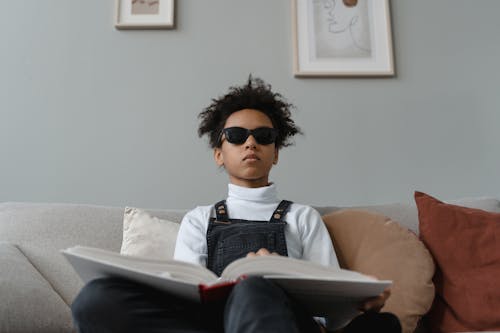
[(260, 194)]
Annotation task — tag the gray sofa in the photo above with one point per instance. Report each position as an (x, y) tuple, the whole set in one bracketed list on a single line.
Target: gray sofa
[(37, 285)]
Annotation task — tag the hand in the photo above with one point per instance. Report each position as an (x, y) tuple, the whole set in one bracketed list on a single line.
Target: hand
[(261, 252), (375, 303)]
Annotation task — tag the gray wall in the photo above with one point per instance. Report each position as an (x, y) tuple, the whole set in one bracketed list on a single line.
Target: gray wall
[(90, 114)]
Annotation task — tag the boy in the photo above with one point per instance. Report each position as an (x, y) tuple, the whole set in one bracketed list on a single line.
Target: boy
[(247, 127)]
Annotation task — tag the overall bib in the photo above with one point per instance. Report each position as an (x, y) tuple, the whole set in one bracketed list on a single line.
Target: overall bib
[(231, 239)]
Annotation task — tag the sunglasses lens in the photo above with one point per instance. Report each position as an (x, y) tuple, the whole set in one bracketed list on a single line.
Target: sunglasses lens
[(265, 135), (236, 135)]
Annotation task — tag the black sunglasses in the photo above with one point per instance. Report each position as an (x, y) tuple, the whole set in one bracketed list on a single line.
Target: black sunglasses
[(238, 135)]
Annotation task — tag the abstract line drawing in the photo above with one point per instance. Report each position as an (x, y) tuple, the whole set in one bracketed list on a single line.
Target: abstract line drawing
[(340, 30), (145, 7)]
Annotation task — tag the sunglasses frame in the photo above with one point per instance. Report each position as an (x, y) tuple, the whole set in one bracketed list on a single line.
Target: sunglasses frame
[(273, 131)]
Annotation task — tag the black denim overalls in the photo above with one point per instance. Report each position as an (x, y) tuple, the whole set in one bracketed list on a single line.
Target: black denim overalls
[(231, 239)]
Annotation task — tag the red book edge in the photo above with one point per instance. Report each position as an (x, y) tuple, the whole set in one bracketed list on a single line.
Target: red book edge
[(217, 292)]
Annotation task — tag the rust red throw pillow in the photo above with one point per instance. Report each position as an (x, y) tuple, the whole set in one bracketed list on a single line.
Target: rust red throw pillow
[(465, 244)]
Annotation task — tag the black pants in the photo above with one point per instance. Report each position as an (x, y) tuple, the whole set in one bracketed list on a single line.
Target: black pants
[(255, 305)]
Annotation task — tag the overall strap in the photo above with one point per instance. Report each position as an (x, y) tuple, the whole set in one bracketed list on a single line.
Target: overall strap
[(221, 211), (280, 211)]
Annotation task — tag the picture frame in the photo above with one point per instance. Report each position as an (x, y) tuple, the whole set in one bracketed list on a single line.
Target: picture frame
[(144, 14), (342, 38)]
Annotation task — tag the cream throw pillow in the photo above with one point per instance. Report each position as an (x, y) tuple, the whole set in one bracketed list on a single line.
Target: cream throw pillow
[(148, 236)]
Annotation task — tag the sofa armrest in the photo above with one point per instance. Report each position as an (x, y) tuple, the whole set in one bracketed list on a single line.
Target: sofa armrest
[(29, 303)]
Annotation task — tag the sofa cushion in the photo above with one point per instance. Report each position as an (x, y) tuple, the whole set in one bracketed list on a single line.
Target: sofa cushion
[(28, 302), (147, 236), (373, 244), (41, 230), (465, 244)]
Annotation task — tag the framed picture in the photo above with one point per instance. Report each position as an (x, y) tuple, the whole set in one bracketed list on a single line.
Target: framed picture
[(342, 38), (144, 14)]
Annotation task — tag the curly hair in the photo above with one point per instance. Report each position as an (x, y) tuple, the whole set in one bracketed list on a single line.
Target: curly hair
[(257, 95)]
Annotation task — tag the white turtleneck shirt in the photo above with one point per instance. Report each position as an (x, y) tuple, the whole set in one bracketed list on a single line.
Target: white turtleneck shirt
[(306, 235)]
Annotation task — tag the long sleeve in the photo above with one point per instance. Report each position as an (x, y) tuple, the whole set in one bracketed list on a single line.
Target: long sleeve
[(191, 244), (316, 243)]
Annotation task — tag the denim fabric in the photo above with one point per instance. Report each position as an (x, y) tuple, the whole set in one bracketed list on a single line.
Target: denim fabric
[(258, 305), (255, 305), (116, 305), (231, 239)]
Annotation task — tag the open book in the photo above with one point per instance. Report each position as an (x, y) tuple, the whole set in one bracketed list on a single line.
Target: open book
[(321, 289)]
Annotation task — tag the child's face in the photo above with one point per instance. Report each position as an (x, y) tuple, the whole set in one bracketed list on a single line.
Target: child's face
[(247, 164)]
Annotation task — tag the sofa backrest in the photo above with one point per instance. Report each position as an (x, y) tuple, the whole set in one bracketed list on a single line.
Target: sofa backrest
[(40, 231), (407, 214)]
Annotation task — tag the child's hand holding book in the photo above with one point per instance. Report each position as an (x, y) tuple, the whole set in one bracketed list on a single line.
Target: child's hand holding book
[(376, 303)]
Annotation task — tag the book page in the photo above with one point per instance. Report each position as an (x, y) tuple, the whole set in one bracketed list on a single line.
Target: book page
[(173, 269), (328, 289), (286, 266), (324, 291)]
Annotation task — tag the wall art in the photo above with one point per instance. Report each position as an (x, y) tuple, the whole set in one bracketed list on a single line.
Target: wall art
[(342, 38), (144, 14)]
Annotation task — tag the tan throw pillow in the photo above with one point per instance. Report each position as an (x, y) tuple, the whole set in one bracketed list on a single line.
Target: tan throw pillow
[(372, 244), (148, 236)]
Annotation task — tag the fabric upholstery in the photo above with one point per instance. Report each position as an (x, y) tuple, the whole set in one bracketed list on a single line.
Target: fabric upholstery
[(40, 230), (374, 244), (147, 236), (406, 214), (465, 244), (34, 306)]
